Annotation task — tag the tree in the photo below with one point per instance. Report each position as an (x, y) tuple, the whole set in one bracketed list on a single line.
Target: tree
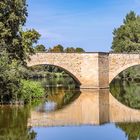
[(57, 49), (13, 15), (9, 79), (70, 50), (29, 38), (127, 36), (40, 48), (79, 50)]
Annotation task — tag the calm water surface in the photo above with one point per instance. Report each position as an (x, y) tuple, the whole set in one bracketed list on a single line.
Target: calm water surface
[(77, 115)]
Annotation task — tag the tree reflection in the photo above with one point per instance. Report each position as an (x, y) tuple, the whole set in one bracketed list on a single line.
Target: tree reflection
[(13, 124), (132, 130), (57, 98), (127, 92)]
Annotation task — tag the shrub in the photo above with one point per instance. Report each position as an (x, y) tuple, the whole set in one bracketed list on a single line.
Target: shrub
[(31, 90)]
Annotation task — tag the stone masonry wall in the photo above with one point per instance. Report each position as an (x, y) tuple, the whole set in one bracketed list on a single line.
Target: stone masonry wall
[(81, 66), (91, 70)]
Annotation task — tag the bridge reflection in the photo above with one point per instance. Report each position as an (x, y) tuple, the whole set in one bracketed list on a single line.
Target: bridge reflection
[(93, 107)]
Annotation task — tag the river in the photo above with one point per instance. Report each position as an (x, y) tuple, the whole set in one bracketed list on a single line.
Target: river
[(105, 114)]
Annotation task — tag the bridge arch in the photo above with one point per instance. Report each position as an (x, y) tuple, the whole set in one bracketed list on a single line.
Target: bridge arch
[(81, 66), (60, 67), (121, 69), (120, 62)]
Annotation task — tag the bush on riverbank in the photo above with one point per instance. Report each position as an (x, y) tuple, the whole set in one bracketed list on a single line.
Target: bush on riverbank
[(31, 90)]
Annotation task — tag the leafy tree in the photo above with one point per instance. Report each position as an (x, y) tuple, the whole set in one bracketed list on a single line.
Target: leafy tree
[(9, 79), (79, 50), (127, 36), (70, 50), (13, 15), (57, 49), (130, 17), (29, 38), (40, 48)]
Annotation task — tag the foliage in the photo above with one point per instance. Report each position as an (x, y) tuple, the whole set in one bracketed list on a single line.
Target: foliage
[(52, 76), (29, 38), (74, 50), (13, 15), (56, 49), (126, 92), (40, 48), (70, 50), (9, 79), (60, 49), (127, 36), (131, 74), (79, 50), (132, 130), (31, 90)]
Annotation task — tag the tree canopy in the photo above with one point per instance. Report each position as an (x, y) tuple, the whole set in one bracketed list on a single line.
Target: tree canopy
[(56, 49), (40, 48), (127, 36), (13, 15), (29, 38), (60, 49)]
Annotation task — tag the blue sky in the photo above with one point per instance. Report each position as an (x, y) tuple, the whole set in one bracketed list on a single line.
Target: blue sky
[(78, 23)]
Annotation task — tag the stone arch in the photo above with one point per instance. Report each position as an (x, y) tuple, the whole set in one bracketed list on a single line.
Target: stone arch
[(119, 70), (67, 71)]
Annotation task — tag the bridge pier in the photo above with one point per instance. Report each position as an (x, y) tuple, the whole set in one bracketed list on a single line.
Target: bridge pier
[(95, 73)]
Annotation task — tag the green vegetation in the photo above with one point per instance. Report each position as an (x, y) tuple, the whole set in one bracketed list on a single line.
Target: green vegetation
[(15, 47), (31, 90), (13, 88), (131, 74), (59, 97), (127, 92), (127, 36), (29, 38), (132, 130), (13, 122), (51, 76), (10, 78), (127, 40), (60, 48), (13, 15), (40, 48)]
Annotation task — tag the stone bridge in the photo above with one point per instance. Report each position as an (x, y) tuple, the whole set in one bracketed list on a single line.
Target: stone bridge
[(90, 70)]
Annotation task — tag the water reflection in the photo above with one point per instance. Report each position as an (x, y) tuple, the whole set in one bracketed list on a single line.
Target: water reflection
[(57, 98), (132, 130), (84, 110), (87, 110), (92, 107), (127, 92), (13, 124)]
